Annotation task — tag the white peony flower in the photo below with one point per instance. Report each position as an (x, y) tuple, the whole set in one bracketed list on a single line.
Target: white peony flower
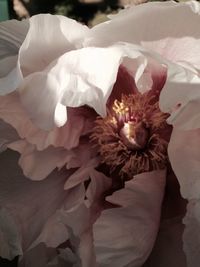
[(86, 109)]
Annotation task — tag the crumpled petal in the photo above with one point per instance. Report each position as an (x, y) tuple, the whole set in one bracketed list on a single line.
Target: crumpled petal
[(32, 204), (86, 70), (37, 165), (80, 122), (12, 34), (124, 236)]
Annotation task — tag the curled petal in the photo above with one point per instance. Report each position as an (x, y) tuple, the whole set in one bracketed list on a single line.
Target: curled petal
[(80, 122), (58, 35), (37, 165), (79, 77)]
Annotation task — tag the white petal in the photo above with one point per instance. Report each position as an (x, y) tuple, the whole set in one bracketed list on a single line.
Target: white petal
[(80, 77), (58, 35), (175, 41), (180, 97), (124, 236)]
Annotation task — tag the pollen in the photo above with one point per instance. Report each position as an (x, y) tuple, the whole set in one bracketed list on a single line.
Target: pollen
[(131, 138)]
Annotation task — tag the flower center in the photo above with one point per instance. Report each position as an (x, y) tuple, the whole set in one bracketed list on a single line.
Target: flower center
[(131, 139)]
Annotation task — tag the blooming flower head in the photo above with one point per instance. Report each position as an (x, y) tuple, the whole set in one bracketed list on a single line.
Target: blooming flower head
[(90, 113)]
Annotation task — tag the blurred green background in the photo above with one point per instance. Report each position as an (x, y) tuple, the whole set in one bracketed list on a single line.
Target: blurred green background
[(89, 12)]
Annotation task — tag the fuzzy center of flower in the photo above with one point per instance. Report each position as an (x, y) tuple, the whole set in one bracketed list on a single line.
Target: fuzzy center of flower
[(131, 139)]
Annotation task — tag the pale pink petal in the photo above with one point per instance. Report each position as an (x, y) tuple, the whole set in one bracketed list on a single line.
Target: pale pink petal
[(59, 35), (86, 249), (80, 122), (9, 236), (98, 186), (82, 174), (125, 236), (12, 34), (175, 41), (37, 165), (34, 205), (79, 222), (12, 112), (55, 231)]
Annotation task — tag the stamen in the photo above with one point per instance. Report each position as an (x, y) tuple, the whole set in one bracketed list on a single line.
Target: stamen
[(129, 139)]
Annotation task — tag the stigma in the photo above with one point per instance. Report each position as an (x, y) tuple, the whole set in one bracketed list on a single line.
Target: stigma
[(134, 136), (131, 139)]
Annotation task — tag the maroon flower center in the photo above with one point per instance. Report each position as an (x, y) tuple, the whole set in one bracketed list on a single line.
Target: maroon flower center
[(130, 139)]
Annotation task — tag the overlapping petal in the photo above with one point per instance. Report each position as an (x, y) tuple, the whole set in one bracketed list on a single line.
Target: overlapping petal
[(34, 206), (178, 42), (84, 69), (124, 236)]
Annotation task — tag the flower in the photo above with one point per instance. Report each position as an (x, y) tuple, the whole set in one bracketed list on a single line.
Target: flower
[(86, 110)]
